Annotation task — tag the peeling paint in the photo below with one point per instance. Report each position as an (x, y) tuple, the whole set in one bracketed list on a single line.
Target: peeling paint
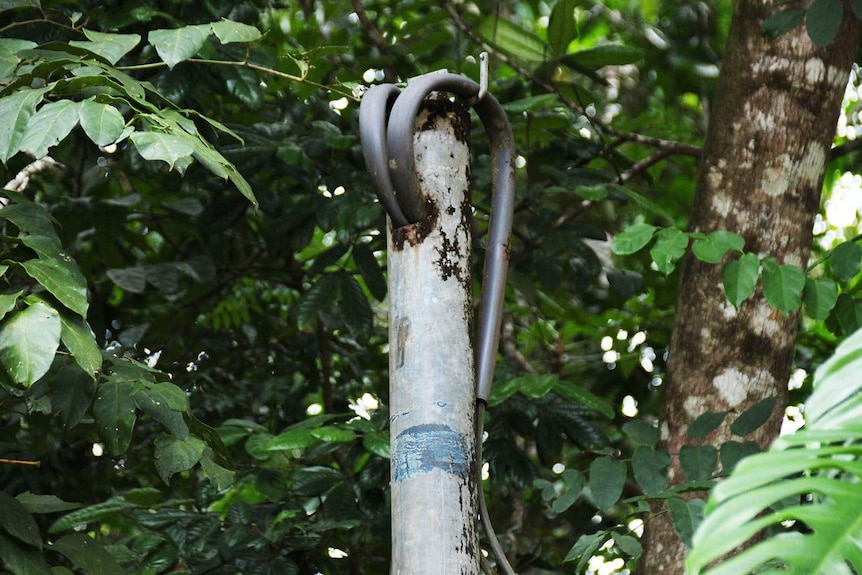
[(731, 385), (423, 448)]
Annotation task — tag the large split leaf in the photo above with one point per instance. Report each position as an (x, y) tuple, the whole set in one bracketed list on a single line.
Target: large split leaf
[(810, 478)]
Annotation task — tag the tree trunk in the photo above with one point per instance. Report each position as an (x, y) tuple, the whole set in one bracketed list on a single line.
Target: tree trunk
[(761, 173)]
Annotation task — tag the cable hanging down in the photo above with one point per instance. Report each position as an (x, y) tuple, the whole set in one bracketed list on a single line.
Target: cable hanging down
[(386, 122)]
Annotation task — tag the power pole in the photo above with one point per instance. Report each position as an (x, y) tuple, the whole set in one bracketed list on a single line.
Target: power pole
[(432, 374)]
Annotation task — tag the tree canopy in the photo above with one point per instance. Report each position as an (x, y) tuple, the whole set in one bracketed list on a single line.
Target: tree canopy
[(193, 347)]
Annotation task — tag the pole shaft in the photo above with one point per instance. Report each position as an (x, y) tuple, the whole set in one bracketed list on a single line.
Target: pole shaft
[(432, 393)]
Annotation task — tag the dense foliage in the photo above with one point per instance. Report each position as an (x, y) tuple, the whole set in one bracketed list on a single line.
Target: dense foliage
[(193, 328)]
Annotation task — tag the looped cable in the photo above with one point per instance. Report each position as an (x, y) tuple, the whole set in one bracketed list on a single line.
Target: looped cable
[(398, 188)]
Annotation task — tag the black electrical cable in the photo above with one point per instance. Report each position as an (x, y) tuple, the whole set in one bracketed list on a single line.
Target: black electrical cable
[(386, 125)]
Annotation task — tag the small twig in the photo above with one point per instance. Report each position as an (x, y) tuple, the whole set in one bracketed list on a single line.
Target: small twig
[(21, 462), (375, 37), (22, 178)]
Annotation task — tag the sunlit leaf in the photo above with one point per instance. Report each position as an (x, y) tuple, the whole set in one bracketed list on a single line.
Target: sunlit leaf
[(16, 111), (111, 47), (600, 56), (174, 46), (739, 278), (227, 31), (28, 341), (782, 284), (561, 24), (711, 249), (669, 247), (632, 239), (101, 122), (79, 339), (169, 148), (512, 38), (821, 295)]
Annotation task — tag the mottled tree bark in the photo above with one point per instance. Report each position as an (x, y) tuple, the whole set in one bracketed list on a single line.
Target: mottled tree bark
[(761, 173)]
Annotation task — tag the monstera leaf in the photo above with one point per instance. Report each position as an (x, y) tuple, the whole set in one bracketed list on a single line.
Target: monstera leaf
[(805, 493)]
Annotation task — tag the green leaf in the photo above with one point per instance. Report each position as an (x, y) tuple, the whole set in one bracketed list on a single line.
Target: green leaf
[(64, 281), (607, 478), (220, 477), (174, 46), (28, 341), (732, 452), (321, 295), (821, 295), (73, 393), (779, 23), (848, 312), (227, 31), (50, 124), (370, 270), (532, 104), (102, 123), (133, 279), (8, 302), (79, 339), (212, 439), (755, 416), (711, 249), (16, 111), (21, 560), (174, 455), (605, 55), (111, 47), (632, 239), (561, 25), (512, 39), (114, 412), (706, 423), (629, 545), (378, 444), (686, 516), (355, 308), (536, 385), (739, 278), (314, 481), (584, 548), (17, 521), (218, 165), (650, 469), (577, 394), (44, 503), (670, 245), (165, 403), (845, 260), (87, 515), (642, 432), (574, 486), (782, 285), (162, 146), (86, 553), (823, 21), (332, 434), (290, 440), (698, 461)]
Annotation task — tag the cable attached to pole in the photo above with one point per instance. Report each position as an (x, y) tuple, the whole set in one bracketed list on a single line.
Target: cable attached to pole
[(386, 125)]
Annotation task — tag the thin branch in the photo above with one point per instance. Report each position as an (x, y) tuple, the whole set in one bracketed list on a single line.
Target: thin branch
[(21, 462), (250, 66), (22, 178), (375, 37)]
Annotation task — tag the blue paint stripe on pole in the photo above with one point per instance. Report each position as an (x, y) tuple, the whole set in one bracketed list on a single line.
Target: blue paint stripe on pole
[(423, 448)]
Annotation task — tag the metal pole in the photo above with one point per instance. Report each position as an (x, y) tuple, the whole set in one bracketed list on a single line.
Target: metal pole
[(432, 374)]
